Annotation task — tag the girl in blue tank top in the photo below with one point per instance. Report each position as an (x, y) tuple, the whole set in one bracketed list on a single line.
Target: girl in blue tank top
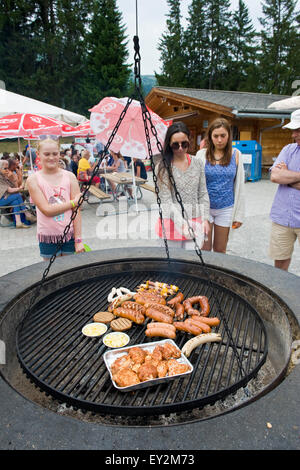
[(220, 182), (221, 165)]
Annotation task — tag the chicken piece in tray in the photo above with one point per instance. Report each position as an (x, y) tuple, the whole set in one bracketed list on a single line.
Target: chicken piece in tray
[(121, 363), (162, 369), (175, 367), (147, 371), (170, 351), (126, 377), (137, 355)]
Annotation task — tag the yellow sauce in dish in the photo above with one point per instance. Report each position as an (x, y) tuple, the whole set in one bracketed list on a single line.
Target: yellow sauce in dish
[(94, 329), (116, 339)]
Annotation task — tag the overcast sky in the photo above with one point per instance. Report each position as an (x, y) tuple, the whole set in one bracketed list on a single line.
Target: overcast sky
[(152, 23)]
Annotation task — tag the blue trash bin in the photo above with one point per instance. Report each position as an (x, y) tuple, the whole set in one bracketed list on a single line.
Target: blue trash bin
[(252, 158)]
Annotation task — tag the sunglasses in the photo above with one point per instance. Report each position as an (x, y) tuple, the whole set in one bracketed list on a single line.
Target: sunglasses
[(184, 145)]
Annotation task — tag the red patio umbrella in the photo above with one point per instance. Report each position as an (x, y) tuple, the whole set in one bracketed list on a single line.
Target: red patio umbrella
[(84, 130), (130, 139), (27, 124)]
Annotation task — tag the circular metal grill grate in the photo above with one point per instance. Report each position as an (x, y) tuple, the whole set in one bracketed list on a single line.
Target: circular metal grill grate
[(69, 366)]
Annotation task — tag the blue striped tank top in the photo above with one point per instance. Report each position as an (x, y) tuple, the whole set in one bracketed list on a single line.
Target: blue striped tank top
[(220, 184)]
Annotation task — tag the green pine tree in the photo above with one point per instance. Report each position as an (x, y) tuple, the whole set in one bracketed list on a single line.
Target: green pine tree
[(16, 52), (241, 67), (218, 24), (172, 50), (42, 49), (279, 36), (195, 44)]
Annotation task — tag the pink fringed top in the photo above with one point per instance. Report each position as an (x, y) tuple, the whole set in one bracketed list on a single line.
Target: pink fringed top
[(50, 229)]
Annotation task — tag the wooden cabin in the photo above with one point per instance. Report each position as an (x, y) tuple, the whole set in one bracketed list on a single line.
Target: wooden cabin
[(248, 113)]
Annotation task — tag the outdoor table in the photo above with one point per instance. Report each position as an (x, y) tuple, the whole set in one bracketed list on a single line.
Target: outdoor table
[(122, 181)]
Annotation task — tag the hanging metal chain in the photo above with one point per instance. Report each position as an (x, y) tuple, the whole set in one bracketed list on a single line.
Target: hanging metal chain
[(147, 117)]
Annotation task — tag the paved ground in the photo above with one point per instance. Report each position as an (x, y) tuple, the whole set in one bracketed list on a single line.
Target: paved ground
[(129, 228)]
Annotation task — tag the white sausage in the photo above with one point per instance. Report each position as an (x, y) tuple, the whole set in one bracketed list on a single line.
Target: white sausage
[(191, 344)]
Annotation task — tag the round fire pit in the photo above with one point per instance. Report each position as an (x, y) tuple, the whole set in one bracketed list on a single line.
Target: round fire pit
[(52, 366), (69, 366)]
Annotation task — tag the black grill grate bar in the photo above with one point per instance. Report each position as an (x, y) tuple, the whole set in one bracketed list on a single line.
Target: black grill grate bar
[(53, 343), (251, 345), (55, 303), (225, 359), (205, 363), (28, 336), (62, 315), (68, 379), (71, 349), (247, 325), (215, 353)]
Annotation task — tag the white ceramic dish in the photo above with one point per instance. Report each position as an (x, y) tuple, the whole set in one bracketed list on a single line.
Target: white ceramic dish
[(94, 329), (117, 339)]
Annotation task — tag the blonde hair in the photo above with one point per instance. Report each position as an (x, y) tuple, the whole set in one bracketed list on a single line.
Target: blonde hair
[(47, 141), (86, 154)]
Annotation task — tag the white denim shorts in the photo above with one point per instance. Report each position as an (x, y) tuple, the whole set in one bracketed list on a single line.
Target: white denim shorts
[(221, 217)]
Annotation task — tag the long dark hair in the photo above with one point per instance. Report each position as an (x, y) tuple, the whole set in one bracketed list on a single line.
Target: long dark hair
[(167, 151), (216, 124)]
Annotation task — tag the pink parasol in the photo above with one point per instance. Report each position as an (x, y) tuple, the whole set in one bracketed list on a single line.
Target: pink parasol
[(28, 125), (130, 139)]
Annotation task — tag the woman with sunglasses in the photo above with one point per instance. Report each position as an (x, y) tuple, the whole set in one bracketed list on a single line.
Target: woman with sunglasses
[(189, 177), (225, 178)]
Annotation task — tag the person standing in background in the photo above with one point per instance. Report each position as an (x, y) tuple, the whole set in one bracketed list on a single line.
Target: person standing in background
[(224, 171), (285, 211), (189, 176), (55, 193)]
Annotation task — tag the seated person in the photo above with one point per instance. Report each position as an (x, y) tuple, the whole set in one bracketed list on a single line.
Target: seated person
[(85, 170), (10, 196), (139, 168), (15, 172)]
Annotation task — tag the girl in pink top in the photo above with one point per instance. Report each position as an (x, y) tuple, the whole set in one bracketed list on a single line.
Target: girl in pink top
[(55, 192)]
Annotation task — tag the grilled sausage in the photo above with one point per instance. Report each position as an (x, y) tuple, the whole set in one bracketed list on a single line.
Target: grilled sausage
[(165, 331), (211, 321), (179, 311), (188, 328), (202, 300), (136, 317), (176, 300), (158, 316), (201, 339), (160, 308), (143, 298), (204, 304), (134, 306), (204, 327), (154, 324)]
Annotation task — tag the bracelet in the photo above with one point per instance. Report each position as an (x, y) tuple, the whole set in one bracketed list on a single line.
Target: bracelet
[(72, 203), (78, 240)]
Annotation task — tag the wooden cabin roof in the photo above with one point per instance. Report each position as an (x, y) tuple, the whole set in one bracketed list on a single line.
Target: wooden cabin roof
[(230, 103)]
